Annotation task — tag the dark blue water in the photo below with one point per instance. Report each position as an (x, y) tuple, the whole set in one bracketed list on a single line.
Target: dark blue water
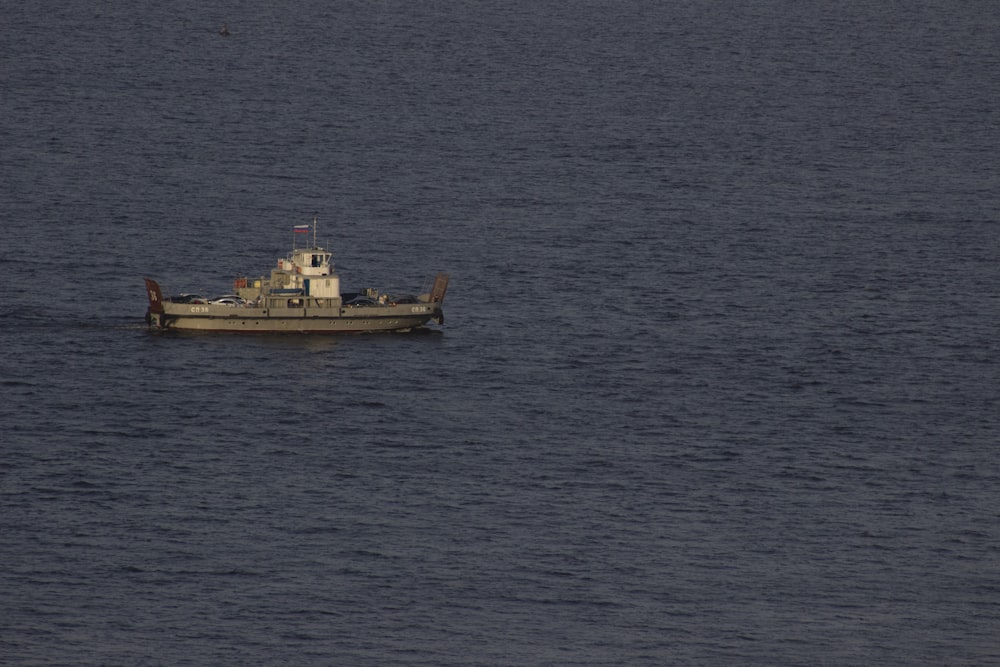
[(719, 379)]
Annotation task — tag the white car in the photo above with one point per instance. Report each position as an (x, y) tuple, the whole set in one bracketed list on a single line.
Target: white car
[(229, 300)]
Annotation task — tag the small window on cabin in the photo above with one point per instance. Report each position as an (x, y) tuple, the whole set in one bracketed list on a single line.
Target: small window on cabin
[(317, 260)]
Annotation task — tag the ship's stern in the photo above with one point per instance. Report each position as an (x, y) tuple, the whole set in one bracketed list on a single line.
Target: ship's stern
[(154, 313)]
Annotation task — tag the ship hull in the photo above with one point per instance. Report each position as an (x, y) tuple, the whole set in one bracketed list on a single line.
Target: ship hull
[(177, 317)]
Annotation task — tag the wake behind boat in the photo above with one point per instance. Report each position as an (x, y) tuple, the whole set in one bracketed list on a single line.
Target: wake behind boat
[(302, 295)]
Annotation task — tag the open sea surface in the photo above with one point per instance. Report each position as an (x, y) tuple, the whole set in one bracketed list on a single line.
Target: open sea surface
[(719, 382)]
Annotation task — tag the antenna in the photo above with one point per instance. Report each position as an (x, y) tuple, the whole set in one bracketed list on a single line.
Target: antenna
[(315, 221)]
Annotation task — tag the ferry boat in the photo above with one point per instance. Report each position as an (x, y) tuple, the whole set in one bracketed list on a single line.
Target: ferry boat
[(301, 295)]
